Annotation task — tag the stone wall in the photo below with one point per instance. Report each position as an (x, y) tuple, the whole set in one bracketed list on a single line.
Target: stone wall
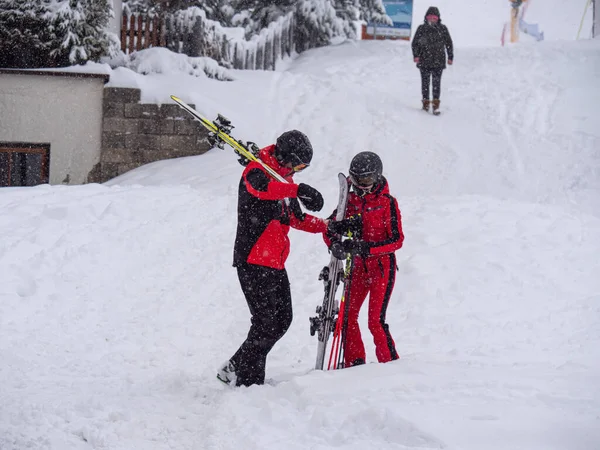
[(134, 134)]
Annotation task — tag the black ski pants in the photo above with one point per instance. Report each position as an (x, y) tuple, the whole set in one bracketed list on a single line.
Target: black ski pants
[(267, 293), (433, 76)]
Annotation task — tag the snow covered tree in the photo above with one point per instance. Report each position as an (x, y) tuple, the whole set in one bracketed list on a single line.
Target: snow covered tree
[(317, 24), (217, 10), (373, 11), (50, 33), (24, 35), (348, 10), (80, 31), (316, 20), (138, 6), (262, 13)]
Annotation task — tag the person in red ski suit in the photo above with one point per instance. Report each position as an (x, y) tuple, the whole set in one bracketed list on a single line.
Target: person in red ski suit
[(267, 208), (373, 218)]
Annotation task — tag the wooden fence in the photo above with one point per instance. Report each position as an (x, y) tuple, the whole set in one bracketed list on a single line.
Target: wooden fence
[(141, 31)]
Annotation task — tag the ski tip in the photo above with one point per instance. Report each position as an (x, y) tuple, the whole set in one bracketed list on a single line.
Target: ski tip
[(175, 98)]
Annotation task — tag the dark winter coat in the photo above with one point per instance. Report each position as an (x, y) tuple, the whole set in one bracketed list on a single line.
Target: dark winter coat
[(266, 210), (430, 44)]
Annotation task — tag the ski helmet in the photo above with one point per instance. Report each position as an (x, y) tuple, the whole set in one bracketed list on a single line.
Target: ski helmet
[(294, 147), (366, 169)]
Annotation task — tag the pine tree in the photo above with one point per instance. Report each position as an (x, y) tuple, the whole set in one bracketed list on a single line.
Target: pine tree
[(348, 10), (138, 6), (217, 10), (80, 31), (267, 11), (373, 11), (24, 36), (317, 24), (316, 20)]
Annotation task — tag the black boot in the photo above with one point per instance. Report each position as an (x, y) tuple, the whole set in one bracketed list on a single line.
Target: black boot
[(357, 362)]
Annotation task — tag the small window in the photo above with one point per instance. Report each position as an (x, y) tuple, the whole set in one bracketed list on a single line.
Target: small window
[(23, 164)]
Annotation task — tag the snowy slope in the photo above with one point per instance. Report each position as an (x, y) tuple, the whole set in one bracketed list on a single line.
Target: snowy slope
[(118, 301), (478, 23), (520, 121)]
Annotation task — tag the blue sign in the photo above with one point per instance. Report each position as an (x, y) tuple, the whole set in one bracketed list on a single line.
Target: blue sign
[(400, 11)]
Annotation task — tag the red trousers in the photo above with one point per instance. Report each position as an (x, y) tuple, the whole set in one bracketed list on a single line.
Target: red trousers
[(375, 275)]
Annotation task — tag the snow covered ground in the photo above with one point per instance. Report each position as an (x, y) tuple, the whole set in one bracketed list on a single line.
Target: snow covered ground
[(478, 23), (118, 301)]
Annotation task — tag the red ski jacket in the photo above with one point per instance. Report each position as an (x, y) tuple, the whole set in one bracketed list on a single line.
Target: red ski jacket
[(381, 219), (266, 210)]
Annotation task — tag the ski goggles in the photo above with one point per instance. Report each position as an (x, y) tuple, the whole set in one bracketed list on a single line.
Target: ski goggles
[(294, 163), (299, 167), (364, 180)]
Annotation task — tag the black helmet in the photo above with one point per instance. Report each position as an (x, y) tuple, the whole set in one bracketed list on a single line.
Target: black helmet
[(366, 169), (295, 148)]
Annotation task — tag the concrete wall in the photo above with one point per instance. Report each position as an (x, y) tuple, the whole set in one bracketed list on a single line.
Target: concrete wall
[(95, 133), (62, 109), (134, 134)]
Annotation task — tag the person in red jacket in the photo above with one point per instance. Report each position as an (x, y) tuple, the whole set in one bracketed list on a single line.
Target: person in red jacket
[(373, 218), (267, 208)]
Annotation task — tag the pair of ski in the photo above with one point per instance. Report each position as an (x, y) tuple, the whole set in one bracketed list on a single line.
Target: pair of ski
[(330, 318)]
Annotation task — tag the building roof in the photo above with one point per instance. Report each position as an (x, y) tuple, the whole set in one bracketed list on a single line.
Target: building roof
[(55, 73)]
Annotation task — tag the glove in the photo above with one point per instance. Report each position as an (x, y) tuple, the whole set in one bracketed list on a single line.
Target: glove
[(449, 62), (337, 250), (356, 247), (310, 197), (352, 225), (253, 148)]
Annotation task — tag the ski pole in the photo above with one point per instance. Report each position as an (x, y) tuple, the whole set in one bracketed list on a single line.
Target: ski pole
[(587, 5)]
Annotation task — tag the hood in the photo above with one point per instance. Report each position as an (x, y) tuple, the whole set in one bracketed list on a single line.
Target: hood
[(432, 10), (267, 155)]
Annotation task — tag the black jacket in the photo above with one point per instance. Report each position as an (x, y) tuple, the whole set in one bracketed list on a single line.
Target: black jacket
[(430, 44), (265, 217)]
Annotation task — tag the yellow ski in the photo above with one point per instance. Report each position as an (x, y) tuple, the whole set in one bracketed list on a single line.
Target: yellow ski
[(238, 147)]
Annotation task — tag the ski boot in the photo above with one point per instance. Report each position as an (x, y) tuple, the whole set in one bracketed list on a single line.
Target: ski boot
[(226, 374)]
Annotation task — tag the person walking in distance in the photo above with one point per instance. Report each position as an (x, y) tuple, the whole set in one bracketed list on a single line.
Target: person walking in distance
[(373, 218), (267, 208), (430, 44)]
